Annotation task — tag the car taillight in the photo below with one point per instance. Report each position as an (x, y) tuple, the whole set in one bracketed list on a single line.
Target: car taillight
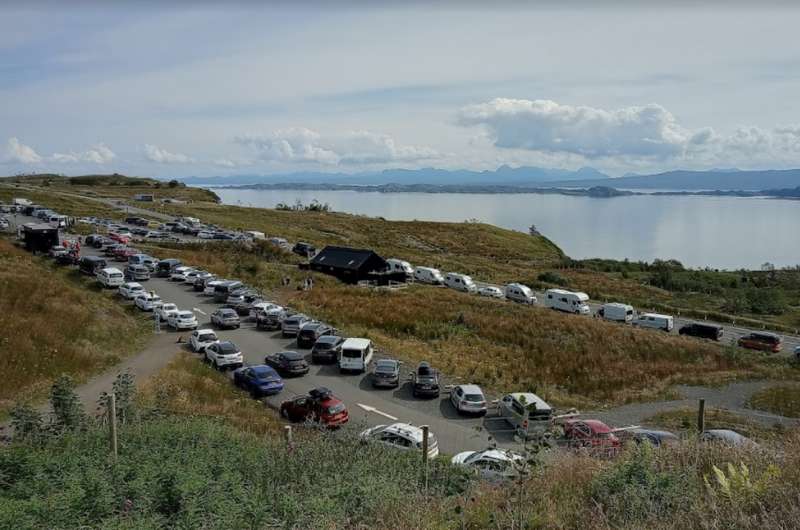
[(525, 424)]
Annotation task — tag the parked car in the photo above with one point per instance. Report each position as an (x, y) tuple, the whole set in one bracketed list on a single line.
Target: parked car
[(762, 341), (288, 363), (307, 250), (225, 318), (242, 301), (468, 399), (705, 331), (401, 436), (164, 310), (425, 381), (310, 332), (616, 312), (655, 438), (89, 265), (261, 307), (355, 356), (189, 276), (291, 325), (179, 320), (130, 290), (56, 251), (528, 414), (654, 321), (179, 273), (139, 273), (212, 285), (201, 338), (326, 349), (460, 282), (491, 291), (589, 434), (165, 267), (727, 437), (319, 406), (492, 464), (272, 319), (223, 290), (147, 301), (428, 275), (386, 373), (68, 258), (223, 354), (259, 380), (516, 292), (567, 301), (201, 280)]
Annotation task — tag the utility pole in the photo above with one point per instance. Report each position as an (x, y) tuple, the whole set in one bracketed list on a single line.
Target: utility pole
[(701, 417), (112, 422), (425, 430)]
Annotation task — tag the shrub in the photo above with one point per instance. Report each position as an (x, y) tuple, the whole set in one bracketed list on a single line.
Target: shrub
[(552, 277)]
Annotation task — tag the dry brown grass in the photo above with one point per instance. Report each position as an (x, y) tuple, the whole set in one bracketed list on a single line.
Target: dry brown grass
[(685, 420), (189, 387), (783, 399), (53, 324)]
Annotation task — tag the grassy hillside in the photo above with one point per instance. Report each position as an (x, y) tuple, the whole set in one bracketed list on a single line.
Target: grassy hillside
[(52, 324)]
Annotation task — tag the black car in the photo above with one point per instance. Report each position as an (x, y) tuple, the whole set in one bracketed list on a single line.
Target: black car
[(306, 250), (425, 381), (326, 349), (288, 363), (165, 266), (705, 331), (311, 332), (386, 373)]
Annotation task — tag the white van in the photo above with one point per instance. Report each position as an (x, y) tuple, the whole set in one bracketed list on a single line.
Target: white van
[(654, 321), (355, 355), (254, 234), (571, 302), (616, 311), (520, 293), (400, 266), (428, 275), (527, 413), (110, 277), (460, 282)]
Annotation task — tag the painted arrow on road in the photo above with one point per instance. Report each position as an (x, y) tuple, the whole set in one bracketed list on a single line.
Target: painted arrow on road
[(376, 411), (199, 311)]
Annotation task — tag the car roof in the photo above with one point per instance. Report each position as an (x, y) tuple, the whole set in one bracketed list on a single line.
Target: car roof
[(356, 343), (596, 425), (263, 369), (292, 355), (529, 397), (205, 330), (405, 429), (499, 454), (330, 338), (471, 389)]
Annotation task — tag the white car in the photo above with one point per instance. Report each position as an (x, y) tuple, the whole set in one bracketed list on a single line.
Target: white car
[(210, 286), (190, 276), (491, 292), (130, 290), (262, 307), (181, 319), (468, 399), (179, 273), (204, 234), (401, 436), (201, 338), (165, 309), (224, 354), (492, 464), (148, 301)]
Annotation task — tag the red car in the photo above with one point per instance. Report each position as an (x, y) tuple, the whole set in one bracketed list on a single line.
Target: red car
[(592, 434), (123, 253), (762, 341), (119, 238), (320, 405)]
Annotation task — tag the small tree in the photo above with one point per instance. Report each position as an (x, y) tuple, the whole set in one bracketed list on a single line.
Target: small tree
[(27, 422), (124, 389), (67, 407), (173, 183)]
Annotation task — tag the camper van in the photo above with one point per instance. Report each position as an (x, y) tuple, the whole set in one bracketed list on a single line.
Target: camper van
[(616, 311), (567, 301), (399, 266), (110, 277), (655, 321), (527, 413), (355, 355), (460, 282), (517, 292), (428, 275)]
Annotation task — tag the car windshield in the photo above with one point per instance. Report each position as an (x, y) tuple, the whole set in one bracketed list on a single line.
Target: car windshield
[(425, 370), (474, 398), (385, 366), (336, 409), (207, 337), (227, 348), (185, 314), (351, 354)]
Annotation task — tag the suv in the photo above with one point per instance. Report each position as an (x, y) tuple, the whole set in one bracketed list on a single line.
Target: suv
[(271, 319), (288, 363), (259, 380), (326, 349), (320, 405), (223, 355), (291, 325), (468, 399), (179, 320), (761, 341), (165, 266), (225, 318), (138, 273), (705, 331), (311, 332), (202, 338), (306, 250), (401, 436), (425, 381), (386, 373)]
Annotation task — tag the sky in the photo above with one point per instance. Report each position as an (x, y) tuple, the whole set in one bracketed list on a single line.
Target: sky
[(144, 89)]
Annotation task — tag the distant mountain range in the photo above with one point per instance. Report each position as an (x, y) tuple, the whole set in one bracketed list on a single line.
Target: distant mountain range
[(525, 177)]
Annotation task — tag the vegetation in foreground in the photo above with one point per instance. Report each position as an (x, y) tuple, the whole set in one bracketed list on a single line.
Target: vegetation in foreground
[(683, 420), (52, 324), (783, 399)]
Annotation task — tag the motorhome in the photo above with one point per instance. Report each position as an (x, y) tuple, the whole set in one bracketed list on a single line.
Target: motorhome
[(399, 266), (518, 292), (654, 321), (428, 275), (616, 311), (460, 282), (355, 355), (571, 302), (110, 277)]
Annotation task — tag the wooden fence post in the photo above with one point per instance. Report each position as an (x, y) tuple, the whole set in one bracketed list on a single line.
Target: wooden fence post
[(701, 416), (425, 431), (112, 422)]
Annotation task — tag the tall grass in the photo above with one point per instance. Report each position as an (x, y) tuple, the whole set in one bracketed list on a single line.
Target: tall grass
[(52, 324), (783, 399)]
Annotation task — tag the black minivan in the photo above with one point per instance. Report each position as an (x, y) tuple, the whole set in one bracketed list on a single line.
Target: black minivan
[(705, 331), (224, 289), (89, 265), (165, 266)]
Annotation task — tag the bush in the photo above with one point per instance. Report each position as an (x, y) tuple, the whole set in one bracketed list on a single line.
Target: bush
[(552, 277)]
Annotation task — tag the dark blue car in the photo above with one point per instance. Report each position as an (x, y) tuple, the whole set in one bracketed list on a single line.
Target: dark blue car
[(259, 380)]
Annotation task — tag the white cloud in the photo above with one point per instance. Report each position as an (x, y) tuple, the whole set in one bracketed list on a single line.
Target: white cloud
[(225, 162), (355, 147), (97, 154), (162, 156), (21, 153)]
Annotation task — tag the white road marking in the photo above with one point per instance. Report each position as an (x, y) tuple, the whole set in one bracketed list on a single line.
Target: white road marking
[(376, 411), (199, 310)]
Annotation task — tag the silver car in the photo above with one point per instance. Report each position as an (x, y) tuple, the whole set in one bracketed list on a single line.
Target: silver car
[(225, 318), (291, 325)]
